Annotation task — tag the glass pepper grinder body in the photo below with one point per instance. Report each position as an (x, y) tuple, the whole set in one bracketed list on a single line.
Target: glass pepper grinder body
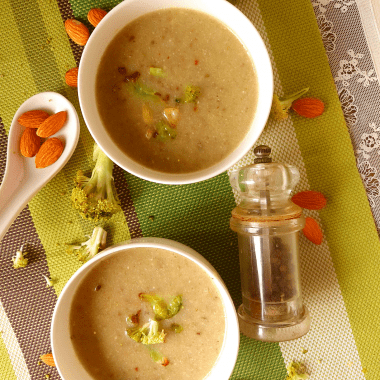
[(268, 225)]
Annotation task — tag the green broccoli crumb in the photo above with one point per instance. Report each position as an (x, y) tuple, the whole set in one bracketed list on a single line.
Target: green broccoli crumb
[(296, 371), (19, 261), (157, 72), (191, 94), (176, 328)]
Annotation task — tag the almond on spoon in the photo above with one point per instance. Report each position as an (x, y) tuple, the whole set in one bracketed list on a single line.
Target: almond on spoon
[(49, 152), (33, 119), (30, 143), (52, 124)]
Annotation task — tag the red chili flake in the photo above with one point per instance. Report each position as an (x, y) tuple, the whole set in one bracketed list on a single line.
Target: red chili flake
[(157, 94), (195, 108), (196, 62), (122, 70), (198, 333), (166, 98), (137, 368), (155, 134), (168, 57)]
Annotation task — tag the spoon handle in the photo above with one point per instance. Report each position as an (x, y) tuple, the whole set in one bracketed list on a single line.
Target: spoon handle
[(12, 199)]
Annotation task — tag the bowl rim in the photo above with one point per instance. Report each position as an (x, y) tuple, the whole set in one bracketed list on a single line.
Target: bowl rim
[(211, 7), (232, 334)]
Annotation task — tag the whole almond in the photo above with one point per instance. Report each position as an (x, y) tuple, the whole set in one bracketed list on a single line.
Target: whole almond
[(308, 107), (71, 77), (311, 200), (77, 31), (48, 359), (33, 119), (312, 231), (30, 143), (49, 152), (95, 16), (52, 124)]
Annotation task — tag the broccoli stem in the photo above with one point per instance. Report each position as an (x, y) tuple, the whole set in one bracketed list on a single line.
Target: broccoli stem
[(280, 107), (287, 102), (101, 178)]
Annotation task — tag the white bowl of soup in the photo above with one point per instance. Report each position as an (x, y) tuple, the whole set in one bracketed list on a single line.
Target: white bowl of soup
[(175, 92), (145, 309)]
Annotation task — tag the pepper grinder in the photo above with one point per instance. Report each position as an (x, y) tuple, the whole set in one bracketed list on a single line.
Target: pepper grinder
[(268, 223)]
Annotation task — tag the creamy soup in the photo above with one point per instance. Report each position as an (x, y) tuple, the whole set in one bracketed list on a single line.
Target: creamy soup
[(176, 90), (109, 302)]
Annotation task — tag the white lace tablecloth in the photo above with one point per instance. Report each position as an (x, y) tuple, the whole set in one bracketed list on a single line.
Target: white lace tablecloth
[(350, 34)]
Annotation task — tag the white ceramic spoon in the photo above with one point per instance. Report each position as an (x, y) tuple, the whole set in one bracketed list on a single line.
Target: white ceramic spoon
[(21, 178)]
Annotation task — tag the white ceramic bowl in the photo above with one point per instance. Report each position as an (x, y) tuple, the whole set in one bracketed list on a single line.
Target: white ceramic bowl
[(123, 14), (69, 366)]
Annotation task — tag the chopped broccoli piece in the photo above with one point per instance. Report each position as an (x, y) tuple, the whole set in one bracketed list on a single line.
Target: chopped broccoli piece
[(135, 333), (158, 358), (191, 94), (165, 132), (160, 308), (49, 281), (157, 72), (296, 371), (95, 198), (19, 261), (145, 92), (153, 336), (176, 328), (147, 334), (91, 247), (280, 107), (175, 306)]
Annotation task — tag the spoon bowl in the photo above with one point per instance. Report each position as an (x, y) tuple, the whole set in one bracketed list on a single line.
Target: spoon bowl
[(22, 180)]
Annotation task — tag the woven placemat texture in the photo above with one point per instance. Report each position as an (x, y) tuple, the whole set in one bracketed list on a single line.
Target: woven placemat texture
[(338, 277)]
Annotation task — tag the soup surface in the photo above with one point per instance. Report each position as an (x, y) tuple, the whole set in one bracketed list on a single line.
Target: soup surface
[(176, 90), (110, 294)]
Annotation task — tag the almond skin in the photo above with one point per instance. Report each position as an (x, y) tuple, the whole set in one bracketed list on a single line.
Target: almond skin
[(311, 200), (52, 124), (49, 152), (33, 119), (95, 16), (77, 31), (48, 359), (308, 107), (71, 77), (30, 143), (312, 231)]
